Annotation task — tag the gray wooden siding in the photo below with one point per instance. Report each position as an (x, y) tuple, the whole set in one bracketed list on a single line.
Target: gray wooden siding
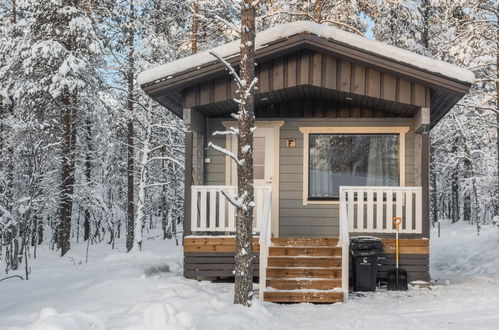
[(316, 220), (297, 220), (214, 171)]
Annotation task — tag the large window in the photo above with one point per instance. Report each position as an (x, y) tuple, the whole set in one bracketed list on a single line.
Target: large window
[(351, 160)]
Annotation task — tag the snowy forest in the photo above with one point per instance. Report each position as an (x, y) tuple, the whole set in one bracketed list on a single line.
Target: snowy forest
[(86, 156)]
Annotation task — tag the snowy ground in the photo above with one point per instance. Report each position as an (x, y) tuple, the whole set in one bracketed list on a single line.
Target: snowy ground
[(145, 290)]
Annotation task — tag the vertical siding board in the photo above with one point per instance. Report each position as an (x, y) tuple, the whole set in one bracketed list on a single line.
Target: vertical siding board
[(264, 78), (359, 79), (345, 76), (304, 67), (291, 70), (278, 74), (330, 72), (220, 89), (373, 83), (389, 87), (419, 95), (317, 70), (404, 91), (205, 93)]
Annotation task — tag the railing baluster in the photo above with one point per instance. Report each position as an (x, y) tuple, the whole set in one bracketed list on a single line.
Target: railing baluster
[(212, 219), (203, 211), (370, 211), (419, 211), (399, 203), (389, 210), (232, 213), (360, 210), (194, 209), (408, 211), (379, 210), (221, 211), (350, 210)]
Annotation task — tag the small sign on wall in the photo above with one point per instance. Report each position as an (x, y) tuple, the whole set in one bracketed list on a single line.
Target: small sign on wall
[(290, 143)]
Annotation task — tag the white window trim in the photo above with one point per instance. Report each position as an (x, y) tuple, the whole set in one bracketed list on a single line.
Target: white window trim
[(350, 130)]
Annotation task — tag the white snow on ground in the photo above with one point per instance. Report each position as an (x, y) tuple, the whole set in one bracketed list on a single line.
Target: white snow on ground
[(146, 290)]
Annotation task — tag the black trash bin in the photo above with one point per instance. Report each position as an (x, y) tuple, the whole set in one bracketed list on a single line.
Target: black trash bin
[(365, 251)]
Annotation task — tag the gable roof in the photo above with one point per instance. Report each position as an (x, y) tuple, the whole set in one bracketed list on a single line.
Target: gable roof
[(268, 37)]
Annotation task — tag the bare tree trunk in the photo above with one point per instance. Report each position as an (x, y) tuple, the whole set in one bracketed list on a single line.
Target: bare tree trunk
[(455, 197), (243, 290), (67, 173), (194, 28), (88, 174), (130, 133)]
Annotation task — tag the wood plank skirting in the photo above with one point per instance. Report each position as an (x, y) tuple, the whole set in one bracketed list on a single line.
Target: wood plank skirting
[(210, 257), (299, 264)]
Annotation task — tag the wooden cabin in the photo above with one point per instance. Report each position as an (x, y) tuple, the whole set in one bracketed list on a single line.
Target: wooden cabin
[(341, 147)]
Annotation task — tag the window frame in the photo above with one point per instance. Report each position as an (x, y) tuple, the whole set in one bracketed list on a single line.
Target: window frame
[(401, 131)]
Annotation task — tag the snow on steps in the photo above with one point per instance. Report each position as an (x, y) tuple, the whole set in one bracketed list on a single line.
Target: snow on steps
[(304, 270)]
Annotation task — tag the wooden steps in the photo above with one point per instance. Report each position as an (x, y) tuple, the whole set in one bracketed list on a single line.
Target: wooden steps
[(293, 284), (303, 297), (303, 270)]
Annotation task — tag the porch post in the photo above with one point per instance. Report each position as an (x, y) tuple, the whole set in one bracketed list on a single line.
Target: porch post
[(188, 182), (425, 183)]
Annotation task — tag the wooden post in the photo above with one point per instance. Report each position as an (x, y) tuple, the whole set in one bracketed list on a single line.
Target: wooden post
[(188, 182), (425, 183)]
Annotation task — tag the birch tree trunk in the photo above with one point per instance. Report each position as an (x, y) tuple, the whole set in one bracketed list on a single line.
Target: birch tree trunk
[(243, 288)]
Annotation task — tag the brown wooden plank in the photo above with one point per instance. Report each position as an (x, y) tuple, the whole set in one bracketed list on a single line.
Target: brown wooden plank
[(283, 272), (205, 93), (290, 284), (406, 242), (213, 240), (304, 262), (308, 251), (291, 70), (213, 273), (373, 83), (263, 79), (419, 95), (278, 74), (330, 72), (359, 79), (302, 297), (215, 248), (299, 241), (345, 76), (304, 67), (404, 91), (214, 266), (389, 87), (220, 89), (407, 250), (214, 260), (317, 70)]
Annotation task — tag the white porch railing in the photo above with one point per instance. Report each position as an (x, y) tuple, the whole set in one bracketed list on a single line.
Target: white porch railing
[(344, 243), (265, 241), (371, 209), (212, 212)]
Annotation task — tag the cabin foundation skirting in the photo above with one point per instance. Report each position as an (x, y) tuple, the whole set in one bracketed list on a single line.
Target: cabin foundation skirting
[(213, 257)]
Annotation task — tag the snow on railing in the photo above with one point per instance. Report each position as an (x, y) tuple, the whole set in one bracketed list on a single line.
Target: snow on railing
[(212, 212), (371, 209), (265, 241)]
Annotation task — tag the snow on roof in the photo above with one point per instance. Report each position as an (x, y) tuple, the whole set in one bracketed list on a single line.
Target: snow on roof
[(278, 32)]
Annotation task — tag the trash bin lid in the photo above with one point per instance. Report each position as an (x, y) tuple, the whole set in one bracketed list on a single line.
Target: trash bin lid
[(365, 245)]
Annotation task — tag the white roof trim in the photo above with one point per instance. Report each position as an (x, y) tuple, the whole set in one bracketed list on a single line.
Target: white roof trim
[(270, 35)]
